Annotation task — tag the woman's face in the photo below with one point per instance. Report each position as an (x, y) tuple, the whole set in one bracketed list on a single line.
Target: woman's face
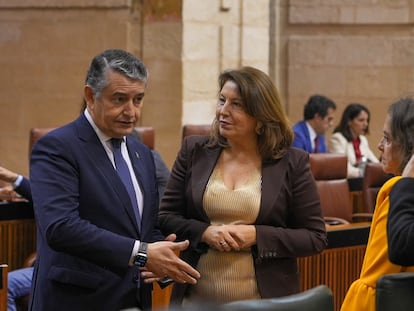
[(359, 124), (390, 150), (235, 123)]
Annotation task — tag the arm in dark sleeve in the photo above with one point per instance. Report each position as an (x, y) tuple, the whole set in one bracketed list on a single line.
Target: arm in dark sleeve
[(400, 226), (24, 189), (162, 172)]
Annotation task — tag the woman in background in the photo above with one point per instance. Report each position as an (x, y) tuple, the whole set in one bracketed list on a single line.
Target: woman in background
[(349, 139), (396, 148), (245, 199)]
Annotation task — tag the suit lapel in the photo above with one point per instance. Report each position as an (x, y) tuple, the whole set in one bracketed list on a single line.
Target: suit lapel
[(271, 186), (98, 156), (202, 169), (139, 168), (141, 163)]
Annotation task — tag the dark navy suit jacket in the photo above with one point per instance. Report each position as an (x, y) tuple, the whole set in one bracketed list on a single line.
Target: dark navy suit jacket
[(86, 224), (302, 138), (400, 223), (24, 189)]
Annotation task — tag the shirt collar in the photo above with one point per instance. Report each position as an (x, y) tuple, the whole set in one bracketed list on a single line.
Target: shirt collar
[(101, 135), (312, 132)]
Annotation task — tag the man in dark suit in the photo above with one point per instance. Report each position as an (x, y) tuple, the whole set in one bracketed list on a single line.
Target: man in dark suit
[(96, 201), (318, 115), (400, 225)]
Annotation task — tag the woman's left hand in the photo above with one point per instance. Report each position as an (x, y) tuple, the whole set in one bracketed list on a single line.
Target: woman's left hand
[(230, 237), (244, 235)]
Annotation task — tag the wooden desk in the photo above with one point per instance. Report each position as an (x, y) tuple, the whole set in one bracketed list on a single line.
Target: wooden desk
[(3, 287), (338, 265), (17, 233)]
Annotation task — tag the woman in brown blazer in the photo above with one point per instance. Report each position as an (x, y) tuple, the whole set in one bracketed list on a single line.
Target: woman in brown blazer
[(245, 199)]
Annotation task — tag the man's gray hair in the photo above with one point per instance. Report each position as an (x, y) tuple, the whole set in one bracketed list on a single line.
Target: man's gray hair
[(120, 61)]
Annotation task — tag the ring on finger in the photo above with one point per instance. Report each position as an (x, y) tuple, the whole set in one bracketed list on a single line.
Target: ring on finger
[(222, 243)]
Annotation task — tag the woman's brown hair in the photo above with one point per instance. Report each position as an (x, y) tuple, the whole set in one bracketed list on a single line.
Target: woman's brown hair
[(261, 101)]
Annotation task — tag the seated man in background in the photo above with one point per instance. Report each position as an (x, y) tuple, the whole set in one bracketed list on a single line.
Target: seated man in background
[(318, 117)]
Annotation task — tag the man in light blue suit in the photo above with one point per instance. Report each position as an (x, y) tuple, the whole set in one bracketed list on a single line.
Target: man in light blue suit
[(318, 115), (95, 251)]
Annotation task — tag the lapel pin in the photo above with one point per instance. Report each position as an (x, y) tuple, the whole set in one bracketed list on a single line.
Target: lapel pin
[(137, 154)]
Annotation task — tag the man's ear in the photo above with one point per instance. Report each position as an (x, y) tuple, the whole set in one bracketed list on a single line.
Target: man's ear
[(88, 95)]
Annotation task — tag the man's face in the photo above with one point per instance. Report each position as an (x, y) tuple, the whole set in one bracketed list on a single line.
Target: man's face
[(324, 124), (118, 108)]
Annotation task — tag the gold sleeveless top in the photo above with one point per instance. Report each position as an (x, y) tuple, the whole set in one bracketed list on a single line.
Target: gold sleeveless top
[(228, 276)]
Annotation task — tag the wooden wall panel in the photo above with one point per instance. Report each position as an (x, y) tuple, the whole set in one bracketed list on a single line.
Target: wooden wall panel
[(3, 287), (337, 268), (17, 241)]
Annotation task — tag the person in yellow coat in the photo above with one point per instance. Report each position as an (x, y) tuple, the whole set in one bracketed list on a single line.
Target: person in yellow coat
[(396, 147)]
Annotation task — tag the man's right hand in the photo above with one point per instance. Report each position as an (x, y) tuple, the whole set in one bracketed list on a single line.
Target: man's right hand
[(162, 260)]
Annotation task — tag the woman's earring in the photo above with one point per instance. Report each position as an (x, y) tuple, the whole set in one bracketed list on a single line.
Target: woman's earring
[(259, 128)]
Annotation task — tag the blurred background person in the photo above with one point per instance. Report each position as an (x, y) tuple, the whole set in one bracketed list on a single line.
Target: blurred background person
[(396, 147), (244, 198), (15, 186), (318, 114), (349, 139), (20, 280)]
